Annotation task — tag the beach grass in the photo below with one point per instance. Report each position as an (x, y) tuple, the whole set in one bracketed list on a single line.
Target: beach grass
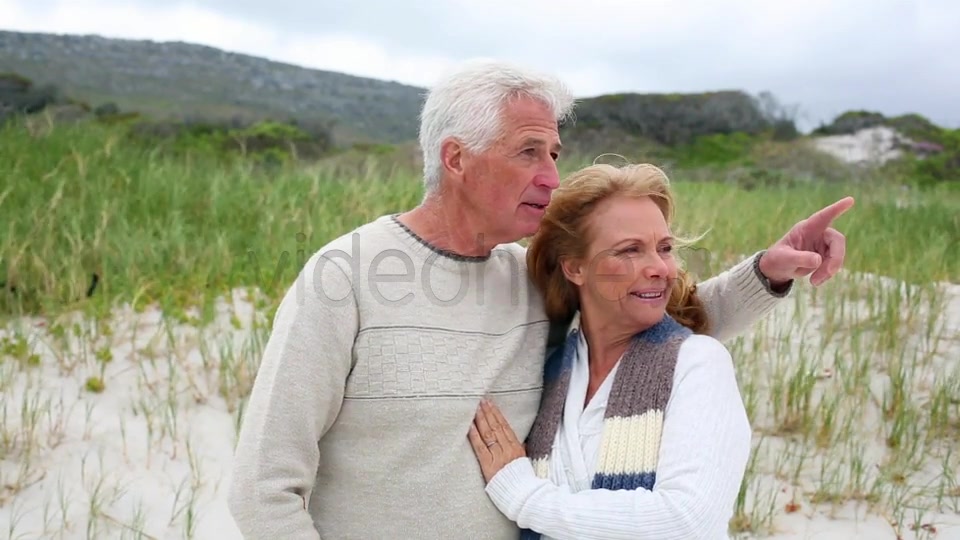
[(119, 409)]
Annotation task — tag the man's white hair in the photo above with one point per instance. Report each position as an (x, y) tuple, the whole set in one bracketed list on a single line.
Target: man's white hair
[(468, 104)]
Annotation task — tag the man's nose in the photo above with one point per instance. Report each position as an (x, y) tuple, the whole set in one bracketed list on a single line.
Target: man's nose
[(549, 177)]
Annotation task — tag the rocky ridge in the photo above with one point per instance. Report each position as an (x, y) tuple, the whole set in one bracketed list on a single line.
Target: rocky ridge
[(183, 80)]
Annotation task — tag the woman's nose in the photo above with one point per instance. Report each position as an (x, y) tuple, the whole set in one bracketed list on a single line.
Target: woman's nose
[(655, 267)]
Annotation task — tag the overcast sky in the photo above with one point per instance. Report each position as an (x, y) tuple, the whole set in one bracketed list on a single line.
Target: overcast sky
[(825, 56)]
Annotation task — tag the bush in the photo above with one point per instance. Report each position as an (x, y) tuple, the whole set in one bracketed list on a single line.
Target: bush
[(716, 150), (851, 122), (266, 142), (679, 119), (19, 96), (941, 167)]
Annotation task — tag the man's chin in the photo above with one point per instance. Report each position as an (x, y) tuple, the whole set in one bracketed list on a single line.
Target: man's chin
[(520, 229)]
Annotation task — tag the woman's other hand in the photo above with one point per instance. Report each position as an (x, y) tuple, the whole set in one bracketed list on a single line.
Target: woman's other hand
[(493, 440)]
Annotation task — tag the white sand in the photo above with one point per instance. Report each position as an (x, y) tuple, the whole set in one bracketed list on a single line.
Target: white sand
[(870, 146), (797, 333), (94, 462), (156, 445)]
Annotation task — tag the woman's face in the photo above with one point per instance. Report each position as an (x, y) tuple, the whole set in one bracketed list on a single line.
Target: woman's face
[(629, 269)]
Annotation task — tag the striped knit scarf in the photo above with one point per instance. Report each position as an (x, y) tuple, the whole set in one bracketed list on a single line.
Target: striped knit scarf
[(633, 418)]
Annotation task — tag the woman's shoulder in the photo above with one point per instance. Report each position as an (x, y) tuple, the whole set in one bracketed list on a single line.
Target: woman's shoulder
[(705, 373), (703, 352)]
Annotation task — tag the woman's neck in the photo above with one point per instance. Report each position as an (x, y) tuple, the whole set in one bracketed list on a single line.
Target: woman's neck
[(605, 337), (606, 342)]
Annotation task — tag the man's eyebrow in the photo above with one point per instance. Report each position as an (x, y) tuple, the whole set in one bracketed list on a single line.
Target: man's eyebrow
[(533, 141)]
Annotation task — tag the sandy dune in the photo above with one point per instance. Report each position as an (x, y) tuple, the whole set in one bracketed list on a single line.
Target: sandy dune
[(147, 457), (876, 145)]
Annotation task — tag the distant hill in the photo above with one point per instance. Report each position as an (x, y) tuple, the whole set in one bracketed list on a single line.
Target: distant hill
[(184, 80), (182, 96)]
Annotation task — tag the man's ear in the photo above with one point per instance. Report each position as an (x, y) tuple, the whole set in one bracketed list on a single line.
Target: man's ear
[(451, 155), (574, 271)]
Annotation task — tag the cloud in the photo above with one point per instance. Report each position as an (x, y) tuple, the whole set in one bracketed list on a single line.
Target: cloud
[(196, 23), (823, 55)]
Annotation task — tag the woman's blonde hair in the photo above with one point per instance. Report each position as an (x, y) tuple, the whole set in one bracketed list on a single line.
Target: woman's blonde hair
[(564, 233)]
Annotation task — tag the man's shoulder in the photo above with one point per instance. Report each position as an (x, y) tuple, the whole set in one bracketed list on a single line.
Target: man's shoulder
[(361, 246), (513, 253), (372, 234), (512, 248), (337, 258)]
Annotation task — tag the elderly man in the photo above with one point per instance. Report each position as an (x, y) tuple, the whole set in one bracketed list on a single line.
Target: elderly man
[(382, 348)]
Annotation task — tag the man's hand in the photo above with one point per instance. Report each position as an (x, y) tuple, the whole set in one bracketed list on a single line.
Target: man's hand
[(811, 246)]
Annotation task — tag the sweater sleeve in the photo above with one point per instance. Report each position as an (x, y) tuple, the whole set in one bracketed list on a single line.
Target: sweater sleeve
[(296, 396), (703, 455), (739, 297)]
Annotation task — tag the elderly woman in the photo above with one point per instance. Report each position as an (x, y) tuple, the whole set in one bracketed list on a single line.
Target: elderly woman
[(642, 431)]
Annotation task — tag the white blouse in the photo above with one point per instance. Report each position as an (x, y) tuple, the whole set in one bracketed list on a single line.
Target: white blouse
[(576, 448), (705, 445)]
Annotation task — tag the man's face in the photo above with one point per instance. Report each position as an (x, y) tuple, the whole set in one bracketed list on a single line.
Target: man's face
[(511, 182)]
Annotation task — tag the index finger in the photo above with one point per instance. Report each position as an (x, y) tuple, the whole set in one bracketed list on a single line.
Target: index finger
[(824, 217)]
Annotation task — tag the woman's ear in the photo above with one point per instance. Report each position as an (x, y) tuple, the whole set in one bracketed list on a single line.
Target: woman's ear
[(573, 271)]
